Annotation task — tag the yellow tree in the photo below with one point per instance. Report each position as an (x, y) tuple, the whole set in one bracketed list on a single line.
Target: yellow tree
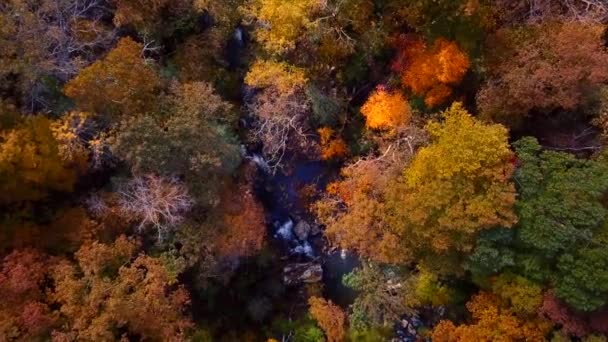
[(31, 163), (455, 187), (385, 109), (121, 83), (281, 75), (281, 23)]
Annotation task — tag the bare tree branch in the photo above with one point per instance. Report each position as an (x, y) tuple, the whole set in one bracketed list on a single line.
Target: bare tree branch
[(157, 202)]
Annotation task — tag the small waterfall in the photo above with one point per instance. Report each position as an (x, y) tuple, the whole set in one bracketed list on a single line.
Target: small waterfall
[(304, 249), (260, 162), (285, 231), (288, 227), (238, 37), (256, 158), (235, 47)]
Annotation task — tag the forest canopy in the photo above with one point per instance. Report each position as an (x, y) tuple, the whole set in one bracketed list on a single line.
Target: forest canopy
[(304, 170)]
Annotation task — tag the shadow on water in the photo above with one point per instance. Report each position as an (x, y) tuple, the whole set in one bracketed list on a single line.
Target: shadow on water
[(337, 265), (282, 195)]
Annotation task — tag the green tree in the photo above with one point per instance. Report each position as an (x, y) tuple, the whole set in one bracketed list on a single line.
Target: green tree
[(195, 141), (384, 295), (582, 278), (556, 209), (560, 238)]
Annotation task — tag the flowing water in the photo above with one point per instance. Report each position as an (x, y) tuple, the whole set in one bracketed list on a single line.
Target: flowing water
[(281, 195)]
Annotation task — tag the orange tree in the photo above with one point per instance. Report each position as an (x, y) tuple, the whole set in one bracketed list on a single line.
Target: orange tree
[(492, 321), (542, 68), (111, 289), (121, 83), (329, 317), (385, 109), (431, 72)]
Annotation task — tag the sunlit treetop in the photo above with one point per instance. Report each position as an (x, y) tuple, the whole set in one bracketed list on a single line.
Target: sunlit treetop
[(280, 23), (386, 109), (120, 83), (266, 73), (431, 71), (455, 187), (491, 319), (462, 145), (31, 162)]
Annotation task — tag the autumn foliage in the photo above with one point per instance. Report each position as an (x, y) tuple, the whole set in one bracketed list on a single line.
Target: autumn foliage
[(557, 312), (281, 22), (459, 185), (331, 146), (431, 71), (543, 68), (362, 227), (24, 313), (492, 321), (244, 226), (303, 170), (117, 288), (30, 162), (329, 317), (121, 83), (281, 75), (140, 13), (386, 109)]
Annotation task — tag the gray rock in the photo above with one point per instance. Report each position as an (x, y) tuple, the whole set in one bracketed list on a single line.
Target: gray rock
[(302, 230), (299, 273), (315, 229)]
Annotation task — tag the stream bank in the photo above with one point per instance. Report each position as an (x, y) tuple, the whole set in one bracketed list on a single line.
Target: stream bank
[(294, 230)]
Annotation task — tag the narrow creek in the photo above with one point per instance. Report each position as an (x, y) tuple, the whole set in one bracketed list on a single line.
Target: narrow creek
[(301, 255), (294, 229), (281, 194)]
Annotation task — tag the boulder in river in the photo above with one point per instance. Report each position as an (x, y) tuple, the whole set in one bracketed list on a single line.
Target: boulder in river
[(298, 273), (315, 229), (302, 230)]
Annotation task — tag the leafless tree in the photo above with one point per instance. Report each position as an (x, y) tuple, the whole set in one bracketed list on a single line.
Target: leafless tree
[(96, 205), (56, 38), (281, 124), (156, 202), (587, 10), (535, 11)]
